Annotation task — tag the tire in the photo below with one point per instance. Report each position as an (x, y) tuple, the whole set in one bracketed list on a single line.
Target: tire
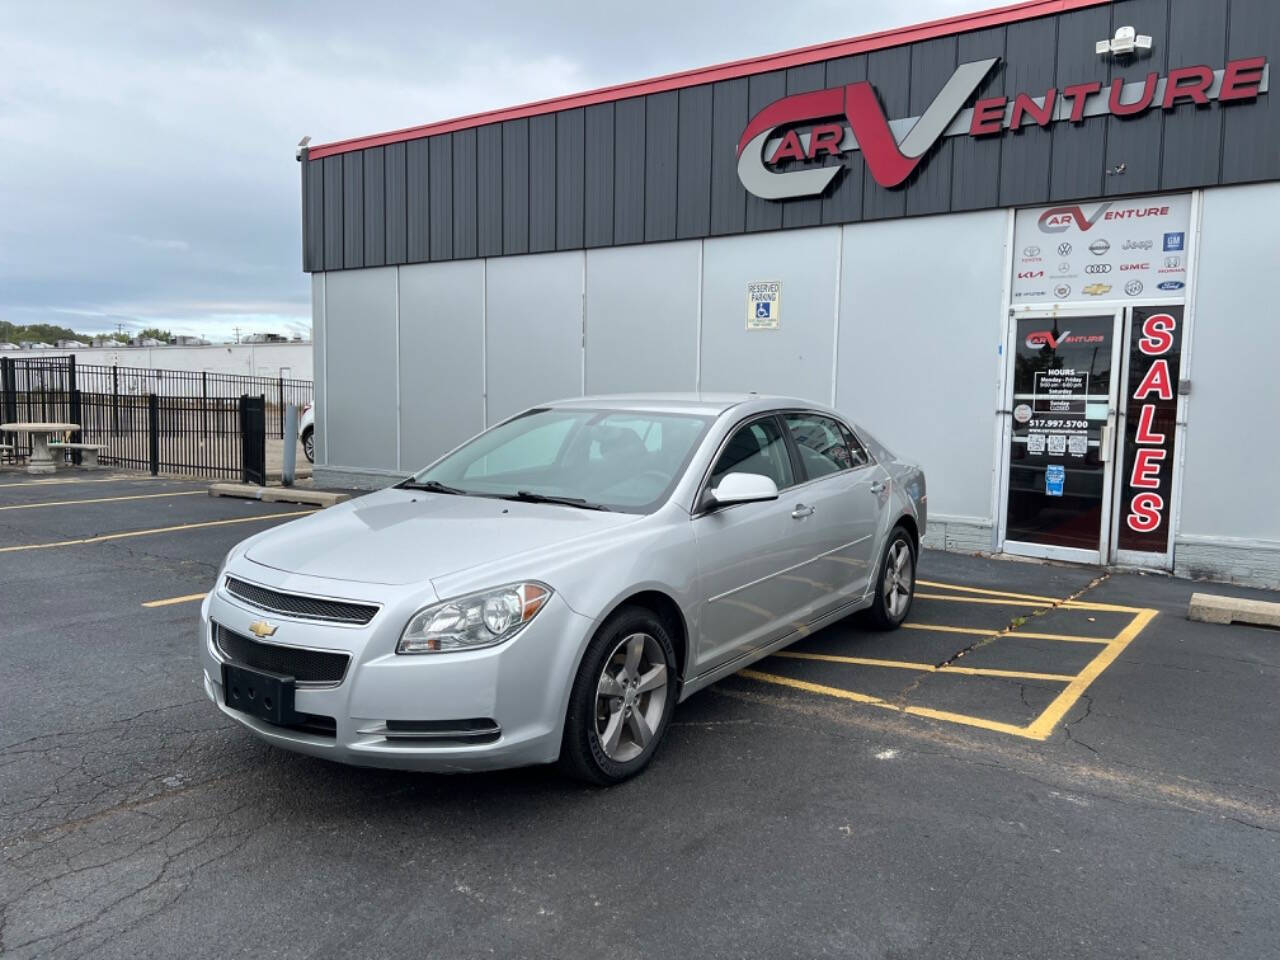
[(897, 570), (610, 707), (309, 444)]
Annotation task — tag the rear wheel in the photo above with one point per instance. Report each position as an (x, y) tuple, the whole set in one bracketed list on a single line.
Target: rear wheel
[(896, 584), (622, 699), (309, 444)]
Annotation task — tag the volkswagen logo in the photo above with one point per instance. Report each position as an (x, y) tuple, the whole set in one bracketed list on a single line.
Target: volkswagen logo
[(1064, 249)]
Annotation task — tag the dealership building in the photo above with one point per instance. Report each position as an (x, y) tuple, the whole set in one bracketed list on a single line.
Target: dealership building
[(1033, 249)]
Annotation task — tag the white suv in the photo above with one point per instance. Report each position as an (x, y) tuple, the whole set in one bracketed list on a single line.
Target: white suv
[(307, 431)]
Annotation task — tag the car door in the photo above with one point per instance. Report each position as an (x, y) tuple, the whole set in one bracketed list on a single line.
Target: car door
[(745, 550), (843, 492)]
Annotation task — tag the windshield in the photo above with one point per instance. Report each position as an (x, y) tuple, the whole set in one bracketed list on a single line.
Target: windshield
[(620, 459)]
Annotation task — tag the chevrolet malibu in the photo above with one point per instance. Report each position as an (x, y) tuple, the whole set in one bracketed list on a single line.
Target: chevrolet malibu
[(550, 590)]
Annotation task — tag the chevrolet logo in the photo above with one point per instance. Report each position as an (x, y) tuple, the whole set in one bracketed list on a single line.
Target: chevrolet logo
[(1096, 289), (260, 629)]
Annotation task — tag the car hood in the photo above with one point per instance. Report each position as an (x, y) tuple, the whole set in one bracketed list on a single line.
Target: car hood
[(407, 536)]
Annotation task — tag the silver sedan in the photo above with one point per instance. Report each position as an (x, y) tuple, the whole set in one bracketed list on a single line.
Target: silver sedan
[(552, 588)]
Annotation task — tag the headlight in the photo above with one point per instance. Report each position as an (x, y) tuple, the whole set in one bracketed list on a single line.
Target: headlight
[(476, 620)]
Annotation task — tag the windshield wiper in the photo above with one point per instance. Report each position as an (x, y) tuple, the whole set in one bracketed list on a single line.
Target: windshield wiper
[(432, 486), (528, 496)]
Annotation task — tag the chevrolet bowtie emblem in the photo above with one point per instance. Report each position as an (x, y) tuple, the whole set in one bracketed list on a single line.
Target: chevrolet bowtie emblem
[(260, 629)]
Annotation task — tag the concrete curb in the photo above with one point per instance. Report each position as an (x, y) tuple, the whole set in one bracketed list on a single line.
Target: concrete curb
[(1208, 608), (318, 498)]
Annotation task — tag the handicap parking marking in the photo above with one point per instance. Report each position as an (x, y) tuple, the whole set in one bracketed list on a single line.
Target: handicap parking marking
[(177, 528), (1040, 726), (72, 503)]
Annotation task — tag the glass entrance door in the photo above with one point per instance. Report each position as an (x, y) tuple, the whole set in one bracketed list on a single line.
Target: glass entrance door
[(1064, 381)]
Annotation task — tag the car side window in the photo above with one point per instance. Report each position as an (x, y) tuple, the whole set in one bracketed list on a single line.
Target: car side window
[(825, 446), (756, 447)]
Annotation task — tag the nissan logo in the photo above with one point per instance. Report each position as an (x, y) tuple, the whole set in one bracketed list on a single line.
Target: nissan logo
[(1097, 268), (1099, 247)]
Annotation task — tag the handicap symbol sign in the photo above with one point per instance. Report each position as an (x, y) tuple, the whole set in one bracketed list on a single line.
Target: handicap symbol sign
[(1055, 477), (762, 309)]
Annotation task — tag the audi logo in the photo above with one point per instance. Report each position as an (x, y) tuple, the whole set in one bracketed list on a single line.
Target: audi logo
[(1097, 268)]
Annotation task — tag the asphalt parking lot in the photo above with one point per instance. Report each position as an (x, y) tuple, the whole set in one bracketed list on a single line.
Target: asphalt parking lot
[(1047, 761)]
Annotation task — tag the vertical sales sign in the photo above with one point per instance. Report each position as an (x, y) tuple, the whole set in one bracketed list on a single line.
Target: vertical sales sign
[(1151, 407)]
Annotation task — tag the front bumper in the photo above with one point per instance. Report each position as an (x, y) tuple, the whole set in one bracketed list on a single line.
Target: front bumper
[(522, 685)]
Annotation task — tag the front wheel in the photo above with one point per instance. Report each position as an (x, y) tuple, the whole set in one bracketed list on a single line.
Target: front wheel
[(309, 444), (896, 585), (622, 699)]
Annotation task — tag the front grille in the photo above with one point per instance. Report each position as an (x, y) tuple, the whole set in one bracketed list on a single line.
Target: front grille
[(298, 605), (305, 666)]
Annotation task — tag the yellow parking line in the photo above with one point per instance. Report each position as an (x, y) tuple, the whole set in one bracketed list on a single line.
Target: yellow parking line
[(993, 634), (68, 503), (927, 667), (170, 601), (144, 533), (1045, 602), (984, 590), (45, 483)]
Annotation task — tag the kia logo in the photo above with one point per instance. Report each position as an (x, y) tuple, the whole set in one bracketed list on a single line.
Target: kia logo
[(1099, 247), (1030, 274), (1097, 268)]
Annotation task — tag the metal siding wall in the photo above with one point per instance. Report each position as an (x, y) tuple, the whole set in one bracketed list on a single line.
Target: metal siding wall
[(628, 170), (314, 220), (929, 187), (1025, 153), (975, 161), (642, 336), (795, 359), (353, 210), (1251, 130), (397, 203), (1136, 141), (465, 230), (440, 204), (570, 182), (375, 208), (441, 358), (693, 166), (418, 201), (333, 212), (598, 175), (890, 73), (515, 186), (1192, 134), (542, 183), (843, 202), (728, 119), (1079, 149), (662, 125), (541, 292), (812, 76), (762, 90), (488, 162), (318, 342), (360, 388)]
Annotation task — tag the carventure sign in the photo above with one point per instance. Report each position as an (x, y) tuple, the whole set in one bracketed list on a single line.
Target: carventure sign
[(784, 151)]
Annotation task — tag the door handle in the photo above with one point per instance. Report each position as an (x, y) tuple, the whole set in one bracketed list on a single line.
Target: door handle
[(801, 511), (879, 486)]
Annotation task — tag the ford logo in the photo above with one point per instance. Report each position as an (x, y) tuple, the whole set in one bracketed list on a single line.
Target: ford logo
[(1170, 285)]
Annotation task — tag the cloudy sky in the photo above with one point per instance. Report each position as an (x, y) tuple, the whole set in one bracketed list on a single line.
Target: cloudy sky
[(147, 172)]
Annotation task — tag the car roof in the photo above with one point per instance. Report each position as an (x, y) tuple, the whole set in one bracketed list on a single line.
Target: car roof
[(704, 404)]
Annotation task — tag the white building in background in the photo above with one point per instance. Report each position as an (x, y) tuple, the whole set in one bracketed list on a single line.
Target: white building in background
[(290, 359)]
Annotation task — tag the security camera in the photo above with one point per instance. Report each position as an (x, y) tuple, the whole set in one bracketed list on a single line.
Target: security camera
[(301, 146)]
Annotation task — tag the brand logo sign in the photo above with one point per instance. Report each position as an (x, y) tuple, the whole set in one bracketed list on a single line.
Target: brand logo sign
[(1170, 285), (1174, 241), (788, 148), (262, 628), (1133, 287), (1096, 289), (1047, 338), (1097, 268)]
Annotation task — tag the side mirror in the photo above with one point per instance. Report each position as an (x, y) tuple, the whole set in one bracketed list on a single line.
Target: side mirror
[(744, 488)]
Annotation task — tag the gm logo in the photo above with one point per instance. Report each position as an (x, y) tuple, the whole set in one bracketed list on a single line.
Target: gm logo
[(1174, 241)]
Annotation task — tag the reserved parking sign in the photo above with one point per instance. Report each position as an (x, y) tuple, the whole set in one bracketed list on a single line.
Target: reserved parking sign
[(764, 304)]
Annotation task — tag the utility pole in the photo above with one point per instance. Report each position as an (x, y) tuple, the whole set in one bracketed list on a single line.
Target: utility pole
[(237, 333)]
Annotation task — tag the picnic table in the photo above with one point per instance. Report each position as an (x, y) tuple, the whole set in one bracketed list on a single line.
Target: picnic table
[(41, 433)]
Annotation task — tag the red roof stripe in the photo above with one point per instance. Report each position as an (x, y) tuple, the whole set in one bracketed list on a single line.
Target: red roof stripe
[(1026, 10)]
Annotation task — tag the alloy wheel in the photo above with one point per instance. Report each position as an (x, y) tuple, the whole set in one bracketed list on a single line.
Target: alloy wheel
[(899, 578), (631, 696)]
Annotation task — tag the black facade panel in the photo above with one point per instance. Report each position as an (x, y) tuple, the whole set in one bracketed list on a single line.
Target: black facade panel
[(1193, 134), (1025, 152), (598, 175), (843, 200), (693, 167), (628, 170), (542, 183), (1079, 149), (1251, 129), (929, 186), (333, 212), (728, 120), (570, 154), (975, 161), (353, 209), (375, 207), (1134, 143), (465, 229), (515, 186), (762, 90), (889, 71), (440, 203), (313, 219), (811, 76), (397, 204), (488, 155), (418, 201), (661, 135)]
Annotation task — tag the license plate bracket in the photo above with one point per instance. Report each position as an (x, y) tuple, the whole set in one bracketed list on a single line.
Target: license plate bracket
[(259, 693)]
